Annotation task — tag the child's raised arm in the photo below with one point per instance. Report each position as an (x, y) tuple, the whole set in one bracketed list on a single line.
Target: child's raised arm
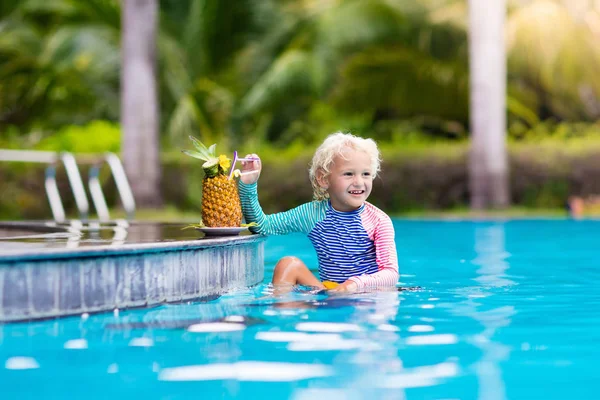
[(299, 219)]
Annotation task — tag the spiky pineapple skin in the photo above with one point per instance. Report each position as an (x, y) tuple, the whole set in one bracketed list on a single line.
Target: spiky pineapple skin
[(221, 205)]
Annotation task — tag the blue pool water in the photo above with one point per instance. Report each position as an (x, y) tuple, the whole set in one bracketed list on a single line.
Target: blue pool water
[(503, 310)]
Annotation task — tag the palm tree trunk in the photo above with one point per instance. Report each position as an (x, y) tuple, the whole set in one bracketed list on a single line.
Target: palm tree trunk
[(139, 101), (488, 164)]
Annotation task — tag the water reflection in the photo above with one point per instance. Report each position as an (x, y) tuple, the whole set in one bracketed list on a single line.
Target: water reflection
[(491, 259), (77, 233), (491, 256)]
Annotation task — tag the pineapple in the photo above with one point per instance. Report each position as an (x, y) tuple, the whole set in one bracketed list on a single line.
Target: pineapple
[(221, 205)]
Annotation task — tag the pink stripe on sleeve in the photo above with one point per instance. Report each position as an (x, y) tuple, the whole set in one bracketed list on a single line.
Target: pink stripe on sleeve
[(380, 229)]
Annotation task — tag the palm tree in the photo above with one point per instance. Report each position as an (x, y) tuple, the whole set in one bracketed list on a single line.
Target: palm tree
[(488, 169), (139, 101)]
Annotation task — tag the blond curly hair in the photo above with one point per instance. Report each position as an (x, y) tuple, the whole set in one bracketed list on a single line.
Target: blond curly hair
[(333, 146)]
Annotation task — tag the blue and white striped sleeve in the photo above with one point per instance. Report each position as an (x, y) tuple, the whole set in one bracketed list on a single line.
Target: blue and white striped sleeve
[(300, 219)]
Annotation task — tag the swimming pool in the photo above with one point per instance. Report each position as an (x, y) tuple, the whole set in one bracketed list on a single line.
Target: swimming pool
[(500, 309)]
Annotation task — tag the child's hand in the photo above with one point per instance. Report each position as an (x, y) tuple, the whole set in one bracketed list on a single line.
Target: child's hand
[(348, 286), (250, 169)]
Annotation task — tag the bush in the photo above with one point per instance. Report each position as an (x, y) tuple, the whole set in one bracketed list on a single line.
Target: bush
[(416, 176), (95, 137)]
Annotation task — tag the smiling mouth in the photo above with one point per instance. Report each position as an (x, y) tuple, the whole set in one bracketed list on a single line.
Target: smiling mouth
[(356, 192)]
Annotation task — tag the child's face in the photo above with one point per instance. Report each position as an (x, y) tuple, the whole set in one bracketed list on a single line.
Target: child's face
[(350, 180)]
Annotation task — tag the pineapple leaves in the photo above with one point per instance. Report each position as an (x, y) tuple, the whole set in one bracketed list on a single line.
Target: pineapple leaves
[(203, 153), (212, 150), (200, 146), (195, 154)]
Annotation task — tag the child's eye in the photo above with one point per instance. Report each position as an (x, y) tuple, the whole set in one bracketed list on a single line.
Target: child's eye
[(367, 174), (347, 173)]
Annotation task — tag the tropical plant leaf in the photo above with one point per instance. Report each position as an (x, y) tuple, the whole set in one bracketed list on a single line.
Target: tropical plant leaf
[(566, 85), (212, 150), (195, 154), (315, 45), (405, 83), (291, 74)]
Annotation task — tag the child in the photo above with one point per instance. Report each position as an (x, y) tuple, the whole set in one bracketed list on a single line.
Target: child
[(354, 240)]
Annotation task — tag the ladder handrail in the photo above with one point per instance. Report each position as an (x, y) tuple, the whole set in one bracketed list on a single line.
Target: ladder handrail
[(69, 160), (76, 182), (121, 181), (73, 175), (56, 206), (44, 157)]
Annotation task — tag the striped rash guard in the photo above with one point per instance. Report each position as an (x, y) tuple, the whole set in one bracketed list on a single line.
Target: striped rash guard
[(356, 245)]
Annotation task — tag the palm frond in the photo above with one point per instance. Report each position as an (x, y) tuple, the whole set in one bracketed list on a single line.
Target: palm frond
[(356, 24), (101, 12), (187, 119), (547, 43), (405, 83), (19, 39), (291, 74), (94, 49), (173, 67), (49, 75), (55, 7), (193, 40)]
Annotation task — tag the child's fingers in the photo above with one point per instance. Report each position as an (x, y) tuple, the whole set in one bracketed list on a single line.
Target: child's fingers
[(255, 161), (348, 286), (252, 162), (245, 162), (250, 169), (249, 172)]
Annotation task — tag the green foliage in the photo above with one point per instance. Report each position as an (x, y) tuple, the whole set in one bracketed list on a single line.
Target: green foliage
[(548, 195), (95, 137), (422, 174), (281, 75), (369, 61), (59, 64), (428, 87), (22, 195), (419, 172), (554, 131), (554, 55)]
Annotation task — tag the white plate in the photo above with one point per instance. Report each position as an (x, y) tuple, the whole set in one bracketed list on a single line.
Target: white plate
[(233, 231)]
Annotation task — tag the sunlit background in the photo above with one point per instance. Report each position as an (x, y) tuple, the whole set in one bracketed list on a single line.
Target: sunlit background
[(276, 76)]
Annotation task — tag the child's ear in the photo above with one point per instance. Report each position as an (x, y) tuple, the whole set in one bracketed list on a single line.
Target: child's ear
[(322, 179)]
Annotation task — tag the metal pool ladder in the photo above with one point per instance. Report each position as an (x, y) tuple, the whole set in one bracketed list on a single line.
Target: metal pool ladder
[(70, 163)]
